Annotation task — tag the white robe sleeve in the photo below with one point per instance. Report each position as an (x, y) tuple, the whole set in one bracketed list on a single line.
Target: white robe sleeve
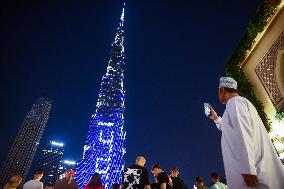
[(240, 121), (218, 122)]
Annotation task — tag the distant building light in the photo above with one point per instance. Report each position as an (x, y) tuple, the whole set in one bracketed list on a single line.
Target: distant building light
[(57, 143), (69, 162)]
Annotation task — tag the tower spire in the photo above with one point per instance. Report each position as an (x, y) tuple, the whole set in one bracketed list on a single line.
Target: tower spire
[(122, 15), (116, 62)]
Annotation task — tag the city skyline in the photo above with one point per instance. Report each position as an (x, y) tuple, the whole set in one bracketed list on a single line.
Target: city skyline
[(14, 164), (176, 54)]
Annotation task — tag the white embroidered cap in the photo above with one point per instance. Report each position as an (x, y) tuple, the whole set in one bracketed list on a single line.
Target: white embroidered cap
[(228, 82)]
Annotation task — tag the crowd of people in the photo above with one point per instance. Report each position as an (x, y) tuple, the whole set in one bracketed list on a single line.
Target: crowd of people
[(67, 182), (137, 177), (249, 157), (134, 177)]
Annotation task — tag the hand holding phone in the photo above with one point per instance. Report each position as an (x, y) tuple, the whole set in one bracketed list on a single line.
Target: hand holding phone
[(210, 112)]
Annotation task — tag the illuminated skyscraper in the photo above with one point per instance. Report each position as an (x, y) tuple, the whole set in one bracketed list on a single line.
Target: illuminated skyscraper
[(104, 148), (22, 152), (49, 162)]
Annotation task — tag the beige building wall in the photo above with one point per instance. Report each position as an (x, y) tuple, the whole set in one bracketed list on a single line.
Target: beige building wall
[(268, 54)]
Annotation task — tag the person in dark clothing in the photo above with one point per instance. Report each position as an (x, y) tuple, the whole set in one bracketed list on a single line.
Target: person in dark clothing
[(177, 182), (200, 183), (161, 177), (115, 186), (136, 176)]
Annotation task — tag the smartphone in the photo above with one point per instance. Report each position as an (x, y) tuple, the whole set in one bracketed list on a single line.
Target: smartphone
[(207, 109)]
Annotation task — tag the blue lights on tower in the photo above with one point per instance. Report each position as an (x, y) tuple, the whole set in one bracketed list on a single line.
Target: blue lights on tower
[(104, 149)]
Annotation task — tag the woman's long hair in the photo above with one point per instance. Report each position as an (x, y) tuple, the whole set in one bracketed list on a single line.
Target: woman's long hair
[(95, 181), (14, 180)]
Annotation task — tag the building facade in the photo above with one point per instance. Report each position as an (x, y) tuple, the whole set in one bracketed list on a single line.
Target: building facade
[(105, 145), (23, 150), (49, 162), (264, 68)]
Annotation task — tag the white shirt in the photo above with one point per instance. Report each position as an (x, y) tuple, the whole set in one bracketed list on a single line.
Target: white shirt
[(247, 147), (33, 184)]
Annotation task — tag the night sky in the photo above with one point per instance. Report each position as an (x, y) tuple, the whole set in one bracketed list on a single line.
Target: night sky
[(175, 53)]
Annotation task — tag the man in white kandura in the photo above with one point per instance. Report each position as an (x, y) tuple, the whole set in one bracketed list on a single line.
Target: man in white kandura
[(250, 159)]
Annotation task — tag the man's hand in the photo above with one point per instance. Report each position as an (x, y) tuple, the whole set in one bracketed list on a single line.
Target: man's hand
[(213, 114), (251, 180)]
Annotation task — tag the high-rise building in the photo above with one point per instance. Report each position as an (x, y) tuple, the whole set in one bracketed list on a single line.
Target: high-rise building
[(64, 166), (49, 162), (22, 152), (105, 145)]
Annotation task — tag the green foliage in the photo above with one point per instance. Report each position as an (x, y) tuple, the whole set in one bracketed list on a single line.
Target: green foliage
[(280, 115), (233, 69), (281, 140)]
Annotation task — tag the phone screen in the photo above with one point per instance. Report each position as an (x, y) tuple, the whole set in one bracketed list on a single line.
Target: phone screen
[(207, 109)]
